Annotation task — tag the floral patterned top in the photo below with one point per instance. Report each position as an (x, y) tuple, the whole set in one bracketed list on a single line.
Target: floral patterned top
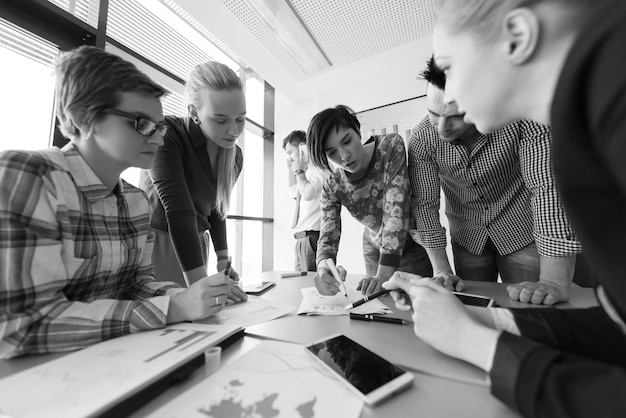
[(380, 200)]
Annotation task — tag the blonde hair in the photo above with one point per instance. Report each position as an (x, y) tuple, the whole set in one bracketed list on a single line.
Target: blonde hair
[(213, 75), (484, 17)]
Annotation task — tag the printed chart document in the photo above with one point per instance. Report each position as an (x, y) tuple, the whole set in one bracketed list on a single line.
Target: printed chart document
[(254, 311), (315, 304), (274, 379), (90, 381)]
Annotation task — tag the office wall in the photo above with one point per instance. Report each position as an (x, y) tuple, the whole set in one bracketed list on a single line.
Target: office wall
[(399, 118)]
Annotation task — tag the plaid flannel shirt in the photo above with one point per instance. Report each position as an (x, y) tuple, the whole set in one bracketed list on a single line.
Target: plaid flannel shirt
[(75, 259)]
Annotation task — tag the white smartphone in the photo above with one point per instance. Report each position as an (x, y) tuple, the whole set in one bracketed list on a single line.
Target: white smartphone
[(475, 300), (369, 375)]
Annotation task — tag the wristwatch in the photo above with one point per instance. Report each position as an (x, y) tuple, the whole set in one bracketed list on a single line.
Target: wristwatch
[(298, 171)]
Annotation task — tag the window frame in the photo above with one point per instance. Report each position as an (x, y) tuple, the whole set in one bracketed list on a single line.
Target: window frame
[(60, 27)]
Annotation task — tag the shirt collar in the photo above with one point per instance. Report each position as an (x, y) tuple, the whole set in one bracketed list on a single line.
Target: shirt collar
[(86, 181)]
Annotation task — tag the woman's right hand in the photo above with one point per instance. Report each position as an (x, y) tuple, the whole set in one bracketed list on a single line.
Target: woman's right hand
[(441, 320), (325, 282), (202, 299)]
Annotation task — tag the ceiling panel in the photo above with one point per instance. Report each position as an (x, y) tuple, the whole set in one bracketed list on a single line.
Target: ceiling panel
[(346, 30)]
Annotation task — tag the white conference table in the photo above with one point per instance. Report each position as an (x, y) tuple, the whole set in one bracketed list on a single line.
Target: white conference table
[(443, 386)]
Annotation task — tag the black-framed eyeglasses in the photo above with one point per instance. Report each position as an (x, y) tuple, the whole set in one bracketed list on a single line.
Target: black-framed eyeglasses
[(143, 126)]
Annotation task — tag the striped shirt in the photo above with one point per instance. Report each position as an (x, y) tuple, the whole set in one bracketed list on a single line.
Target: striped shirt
[(503, 190), (75, 259)]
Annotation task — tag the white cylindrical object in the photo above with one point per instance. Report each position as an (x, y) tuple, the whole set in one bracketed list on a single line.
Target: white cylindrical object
[(212, 358)]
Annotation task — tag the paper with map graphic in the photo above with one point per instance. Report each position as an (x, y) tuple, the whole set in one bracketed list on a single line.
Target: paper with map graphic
[(315, 304), (275, 379)]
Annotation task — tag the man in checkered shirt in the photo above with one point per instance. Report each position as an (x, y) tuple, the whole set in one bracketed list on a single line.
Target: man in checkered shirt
[(504, 212)]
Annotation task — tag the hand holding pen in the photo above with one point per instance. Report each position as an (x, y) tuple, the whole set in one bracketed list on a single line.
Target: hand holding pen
[(337, 276), (329, 282), (401, 299), (367, 298), (236, 294)]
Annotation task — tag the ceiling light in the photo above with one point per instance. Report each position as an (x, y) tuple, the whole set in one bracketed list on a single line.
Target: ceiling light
[(290, 31)]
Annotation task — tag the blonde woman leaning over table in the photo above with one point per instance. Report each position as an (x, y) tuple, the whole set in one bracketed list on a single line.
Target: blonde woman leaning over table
[(193, 175)]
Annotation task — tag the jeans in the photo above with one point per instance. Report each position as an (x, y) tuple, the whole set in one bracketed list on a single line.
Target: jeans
[(414, 257), (519, 266)]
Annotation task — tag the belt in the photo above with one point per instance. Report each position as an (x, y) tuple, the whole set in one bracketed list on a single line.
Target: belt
[(305, 233)]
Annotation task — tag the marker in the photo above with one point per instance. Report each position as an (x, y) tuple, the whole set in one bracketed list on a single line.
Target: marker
[(295, 274), (378, 318), (336, 275), (366, 299)]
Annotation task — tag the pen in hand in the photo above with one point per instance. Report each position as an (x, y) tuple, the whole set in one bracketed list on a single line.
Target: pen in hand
[(336, 275), (366, 299)]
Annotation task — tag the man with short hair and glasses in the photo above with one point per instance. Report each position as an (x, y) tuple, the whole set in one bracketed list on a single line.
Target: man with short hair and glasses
[(143, 125), (75, 239)]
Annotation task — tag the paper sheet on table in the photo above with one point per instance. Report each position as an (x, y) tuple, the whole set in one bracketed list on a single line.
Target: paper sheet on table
[(315, 304), (274, 379), (255, 311), (91, 381)]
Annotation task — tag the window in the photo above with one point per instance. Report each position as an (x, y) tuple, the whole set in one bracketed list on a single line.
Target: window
[(85, 10), (255, 97), (27, 85), (163, 41)]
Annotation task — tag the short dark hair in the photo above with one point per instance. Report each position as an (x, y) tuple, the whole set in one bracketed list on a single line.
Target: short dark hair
[(90, 80), (295, 138), (320, 127), (434, 75)]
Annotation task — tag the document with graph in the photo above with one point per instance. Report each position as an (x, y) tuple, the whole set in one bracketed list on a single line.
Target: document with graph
[(90, 381), (315, 304)]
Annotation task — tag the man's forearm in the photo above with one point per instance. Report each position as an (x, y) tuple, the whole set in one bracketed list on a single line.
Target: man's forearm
[(559, 271), (439, 260)]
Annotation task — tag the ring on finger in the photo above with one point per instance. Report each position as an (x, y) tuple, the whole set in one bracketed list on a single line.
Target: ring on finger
[(217, 300)]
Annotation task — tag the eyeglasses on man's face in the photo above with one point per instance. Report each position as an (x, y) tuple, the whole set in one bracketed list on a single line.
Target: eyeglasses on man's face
[(143, 126)]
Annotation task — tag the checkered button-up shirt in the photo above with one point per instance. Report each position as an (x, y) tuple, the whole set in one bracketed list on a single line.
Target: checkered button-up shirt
[(75, 259), (502, 190)]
